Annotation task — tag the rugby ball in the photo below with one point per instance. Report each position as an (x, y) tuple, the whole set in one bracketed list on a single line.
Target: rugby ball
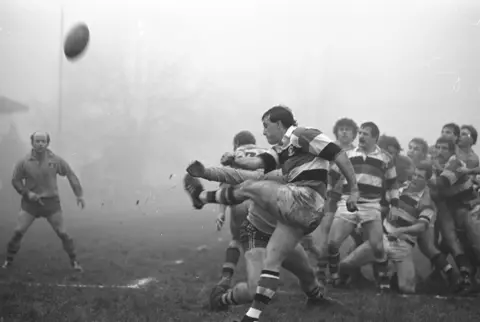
[(76, 41)]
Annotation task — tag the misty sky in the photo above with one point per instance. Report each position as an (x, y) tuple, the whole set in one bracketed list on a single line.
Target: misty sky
[(410, 66)]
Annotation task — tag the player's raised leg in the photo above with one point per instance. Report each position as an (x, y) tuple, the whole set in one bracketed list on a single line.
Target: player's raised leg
[(57, 222), (24, 221)]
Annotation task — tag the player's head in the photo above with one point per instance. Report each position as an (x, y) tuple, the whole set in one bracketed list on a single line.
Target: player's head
[(389, 144), (345, 130), (451, 131), (417, 150), (368, 135), (276, 122), (40, 141), (445, 148), (421, 175), (468, 136), (243, 138)]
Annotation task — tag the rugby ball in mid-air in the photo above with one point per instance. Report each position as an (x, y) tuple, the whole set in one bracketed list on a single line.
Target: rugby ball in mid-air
[(76, 41)]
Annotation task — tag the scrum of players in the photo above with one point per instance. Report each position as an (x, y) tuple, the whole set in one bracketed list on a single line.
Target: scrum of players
[(307, 184)]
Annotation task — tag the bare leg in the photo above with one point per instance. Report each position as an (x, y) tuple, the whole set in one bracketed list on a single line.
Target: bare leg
[(24, 221)]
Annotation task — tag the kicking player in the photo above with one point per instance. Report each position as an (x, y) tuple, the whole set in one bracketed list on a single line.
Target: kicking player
[(304, 155), (402, 226), (35, 179), (255, 234), (243, 146), (375, 171)]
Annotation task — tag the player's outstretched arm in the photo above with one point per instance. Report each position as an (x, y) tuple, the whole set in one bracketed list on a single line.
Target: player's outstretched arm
[(343, 163)]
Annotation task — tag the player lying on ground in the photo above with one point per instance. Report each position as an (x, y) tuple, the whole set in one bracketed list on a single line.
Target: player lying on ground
[(255, 234), (35, 179), (304, 155), (402, 226)]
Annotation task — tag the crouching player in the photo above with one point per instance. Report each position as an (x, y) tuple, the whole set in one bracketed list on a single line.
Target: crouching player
[(401, 227), (255, 234), (243, 146)]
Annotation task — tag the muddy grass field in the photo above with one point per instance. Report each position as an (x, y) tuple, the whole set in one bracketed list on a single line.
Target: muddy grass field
[(181, 251)]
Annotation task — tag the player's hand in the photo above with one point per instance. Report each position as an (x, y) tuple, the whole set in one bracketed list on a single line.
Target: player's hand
[(32, 196), (463, 170), (227, 158), (352, 200), (220, 221), (196, 169), (81, 202)]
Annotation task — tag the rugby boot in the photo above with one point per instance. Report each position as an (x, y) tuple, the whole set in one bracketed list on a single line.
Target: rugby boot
[(193, 187), (76, 266), (216, 303), (7, 264)]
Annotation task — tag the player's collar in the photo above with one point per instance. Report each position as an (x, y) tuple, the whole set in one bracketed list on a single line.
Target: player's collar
[(33, 154), (375, 151), (289, 132)]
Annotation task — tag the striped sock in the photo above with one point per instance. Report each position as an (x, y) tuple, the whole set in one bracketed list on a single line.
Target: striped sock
[(232, 257), (316, 293), (224, 196), (333, 261), (229, 298), (267, 286)]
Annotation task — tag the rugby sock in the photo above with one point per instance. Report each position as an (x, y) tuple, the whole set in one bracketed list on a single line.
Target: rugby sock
[(267, 286), (441, 263), (231, 261), (322, 269), (382, 270), (13, 246), (463, 264), (224, 196), (68, 246), (237, 295), (333, 260)]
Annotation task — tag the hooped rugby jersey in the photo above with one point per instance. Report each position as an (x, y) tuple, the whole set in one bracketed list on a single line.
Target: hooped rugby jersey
[(412, 207), (375, 173), (304, 157)]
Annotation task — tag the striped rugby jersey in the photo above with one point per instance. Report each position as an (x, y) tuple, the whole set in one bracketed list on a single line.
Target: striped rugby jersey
[(412, 207), (374, 171), (461, 185), (304, 157), (335, 192)]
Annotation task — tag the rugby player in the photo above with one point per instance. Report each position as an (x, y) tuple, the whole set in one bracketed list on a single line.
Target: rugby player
[(402, 226), (243, 146), (304, 155), (375, 172), (35, 179), (418, 153), (456, 189), (345, 131), (255, 234)]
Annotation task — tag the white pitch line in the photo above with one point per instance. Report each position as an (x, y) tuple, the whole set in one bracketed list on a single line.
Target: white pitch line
[(138, 284), (436, 297)]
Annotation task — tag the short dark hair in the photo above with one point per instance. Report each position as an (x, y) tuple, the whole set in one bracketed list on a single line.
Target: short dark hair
[(427, 167), (244, 138), (473, 132), (384, 141), (345, 122), (422, 143), (454, 127), (280, 113), (451, 143), (373, 129)]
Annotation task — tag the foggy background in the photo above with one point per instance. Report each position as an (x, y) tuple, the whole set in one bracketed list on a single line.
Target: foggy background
[(167, 82)]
